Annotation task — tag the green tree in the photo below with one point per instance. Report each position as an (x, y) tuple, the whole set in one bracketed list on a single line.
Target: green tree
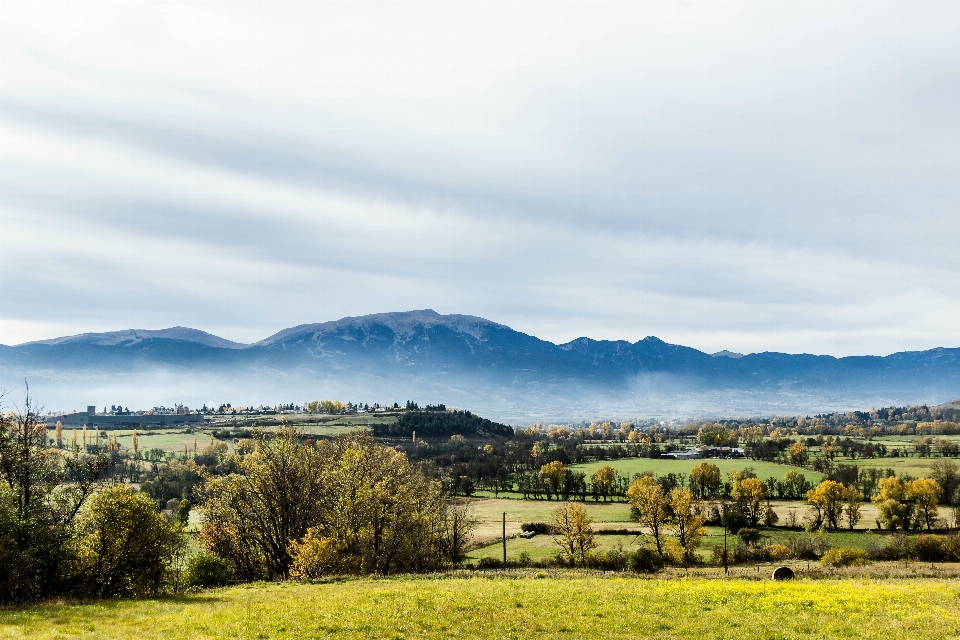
[(795, 483), (124, 546), (946, 474), (573, 532), (183, 512)]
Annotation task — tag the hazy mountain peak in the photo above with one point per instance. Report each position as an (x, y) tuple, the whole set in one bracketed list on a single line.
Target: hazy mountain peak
[(129, 337), (727, 354), (402, 323)]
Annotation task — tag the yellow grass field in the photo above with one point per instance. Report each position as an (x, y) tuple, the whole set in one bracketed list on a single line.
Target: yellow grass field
[(535, 606)]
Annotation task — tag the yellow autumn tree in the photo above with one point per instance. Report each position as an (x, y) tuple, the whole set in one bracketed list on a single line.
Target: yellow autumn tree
[(750, 494), (650, 502), (893, 512), (686, 521), (924, 491), (603, 478), (573, 532), (553, 474)]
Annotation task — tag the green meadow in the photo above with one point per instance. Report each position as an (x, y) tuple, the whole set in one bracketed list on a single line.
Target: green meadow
[(534, 605)]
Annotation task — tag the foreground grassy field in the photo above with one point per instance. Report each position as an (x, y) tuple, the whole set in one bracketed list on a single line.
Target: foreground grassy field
[(527, 607)]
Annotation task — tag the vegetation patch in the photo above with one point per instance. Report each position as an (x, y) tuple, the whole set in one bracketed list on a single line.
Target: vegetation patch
[(566, 605)]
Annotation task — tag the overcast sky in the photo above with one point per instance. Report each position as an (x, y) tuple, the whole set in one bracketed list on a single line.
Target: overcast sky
[(747, 176)]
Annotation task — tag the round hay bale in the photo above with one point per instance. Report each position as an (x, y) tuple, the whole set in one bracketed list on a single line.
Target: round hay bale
[(783, 573)]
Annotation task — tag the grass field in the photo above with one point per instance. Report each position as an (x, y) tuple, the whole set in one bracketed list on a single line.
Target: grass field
[(542, 547), (663, 466), (573, 606)]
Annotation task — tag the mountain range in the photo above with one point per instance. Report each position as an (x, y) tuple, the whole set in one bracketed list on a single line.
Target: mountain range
[(464, 361)]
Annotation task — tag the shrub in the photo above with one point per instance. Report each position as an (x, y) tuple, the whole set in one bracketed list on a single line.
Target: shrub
[(718, 555), (207, 570), (779, 552), (735, 521), (934, 548), (749, 536), (489, 563), (612, 560), (536, 527), (899, 547), (811, 546), (844, 557), (645, 560), (314, 556)]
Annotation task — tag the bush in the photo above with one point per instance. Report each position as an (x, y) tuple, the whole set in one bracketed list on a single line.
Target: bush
[(811, 546), (779, 552), (735, 521), (645, 560), (536, 527), (844, 557), (749, 536), (718, 555), (489, 563), (899, 547), (612, 560), (207, 570), (933, 548)]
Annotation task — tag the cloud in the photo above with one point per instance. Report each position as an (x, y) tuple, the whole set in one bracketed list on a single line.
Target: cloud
[(749, 176)]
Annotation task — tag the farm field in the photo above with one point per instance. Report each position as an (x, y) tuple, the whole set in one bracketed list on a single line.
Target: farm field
[(542, 547), (663, 466), (557, 605), (489, 514)]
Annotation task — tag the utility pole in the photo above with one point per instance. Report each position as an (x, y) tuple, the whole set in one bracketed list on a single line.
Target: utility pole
[(725, 569), (504, 539)]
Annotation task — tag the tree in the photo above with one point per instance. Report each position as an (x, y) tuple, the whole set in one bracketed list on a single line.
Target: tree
[(828, 499), (750, 494), (347, 498), (183, 512), (553, 474), (650, 505), (124, 547), (795, 483), (603, 479), (923, 492), (893, 513), (946, 474), (37, 508), (705, 480), (273, 498), (797, 454), (457, 526), (573, 532), (687, 522), (852, 506)]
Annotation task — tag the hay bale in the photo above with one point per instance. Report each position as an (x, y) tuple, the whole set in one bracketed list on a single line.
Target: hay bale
[(783, 573)]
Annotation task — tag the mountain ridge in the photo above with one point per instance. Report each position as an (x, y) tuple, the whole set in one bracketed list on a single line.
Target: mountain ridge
[(469, 361)]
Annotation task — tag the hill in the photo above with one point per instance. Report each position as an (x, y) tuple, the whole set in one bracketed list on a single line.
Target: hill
[(465, 361)]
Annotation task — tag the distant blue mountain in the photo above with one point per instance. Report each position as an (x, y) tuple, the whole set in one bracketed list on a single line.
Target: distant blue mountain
[(465, 361)]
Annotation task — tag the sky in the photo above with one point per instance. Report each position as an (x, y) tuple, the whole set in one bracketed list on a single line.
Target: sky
[(751, 176)]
